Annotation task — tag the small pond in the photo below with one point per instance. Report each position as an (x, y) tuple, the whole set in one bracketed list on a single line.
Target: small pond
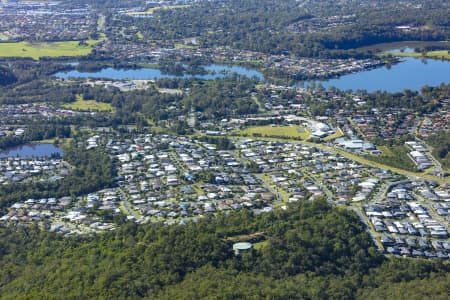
[(32, 150)]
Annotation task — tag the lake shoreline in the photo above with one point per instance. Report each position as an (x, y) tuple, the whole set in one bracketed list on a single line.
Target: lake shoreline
[(31, 150)]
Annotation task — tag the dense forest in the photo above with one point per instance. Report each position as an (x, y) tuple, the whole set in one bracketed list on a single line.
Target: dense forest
[(6, 76), (307, 28), (310, 251)]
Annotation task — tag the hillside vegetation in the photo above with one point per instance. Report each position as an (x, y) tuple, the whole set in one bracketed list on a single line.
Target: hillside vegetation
[(312, 251)]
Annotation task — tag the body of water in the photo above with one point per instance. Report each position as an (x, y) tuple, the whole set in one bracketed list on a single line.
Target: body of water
[(219, 71), (412, 74), (37, 150)]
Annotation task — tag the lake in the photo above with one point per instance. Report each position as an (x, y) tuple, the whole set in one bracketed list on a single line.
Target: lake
[(37, 150), (219, 71), (412, 74)]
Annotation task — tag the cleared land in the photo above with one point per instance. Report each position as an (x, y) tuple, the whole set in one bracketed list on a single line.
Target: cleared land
[(295, 132), (88, 105), (396, 156), (186, 46), (335, 135), (47, 49)]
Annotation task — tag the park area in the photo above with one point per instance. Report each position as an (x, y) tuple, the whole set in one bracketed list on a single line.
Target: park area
[(36, 50), (88, 105), (282, 131)]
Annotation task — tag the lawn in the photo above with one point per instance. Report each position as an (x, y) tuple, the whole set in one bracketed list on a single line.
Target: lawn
[(185, 46), (335, 135), (260, 245), (47, 49), (442, 54), (386, 151), (277, 131), (88, 105)]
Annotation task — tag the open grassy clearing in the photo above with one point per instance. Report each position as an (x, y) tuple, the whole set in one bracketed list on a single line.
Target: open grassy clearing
[(45, 141), (335, 135), (88, 105), (186, 46), (396, 156), (246, 237), (260, 245), (295, 132), (442, 54), (386, 151), (384, 166), (47, 49)]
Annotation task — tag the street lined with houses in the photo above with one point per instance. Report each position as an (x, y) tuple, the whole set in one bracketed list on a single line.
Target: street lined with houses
[(174, 179)]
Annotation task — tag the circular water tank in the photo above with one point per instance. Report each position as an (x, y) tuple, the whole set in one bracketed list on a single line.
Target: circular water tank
[(238, 247)]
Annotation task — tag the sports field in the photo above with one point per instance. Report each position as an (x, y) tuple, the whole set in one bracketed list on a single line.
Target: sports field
[(277, 131)]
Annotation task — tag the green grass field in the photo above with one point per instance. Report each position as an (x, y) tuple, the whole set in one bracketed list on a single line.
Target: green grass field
[(335, 135), (396, 156), (260, 245), (386, 151), (277, 131), (185, 46), (442, 54), (386, 47), (47, 49), (88, 105)]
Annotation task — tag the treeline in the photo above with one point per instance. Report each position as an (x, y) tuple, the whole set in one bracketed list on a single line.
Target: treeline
[(38, 91), (269, 26), (311, 251), (6, 76), (91, 171), (441, 147), (213, 98), (222, 97), (398, 159), (425, 101), (35, 132), (26, 70)]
